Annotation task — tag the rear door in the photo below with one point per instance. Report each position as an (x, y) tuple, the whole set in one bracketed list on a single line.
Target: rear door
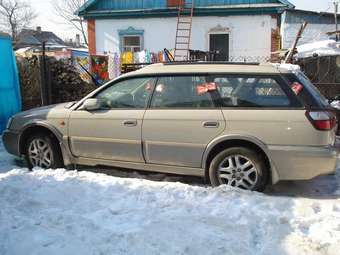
[(180, 122), (264, 107)]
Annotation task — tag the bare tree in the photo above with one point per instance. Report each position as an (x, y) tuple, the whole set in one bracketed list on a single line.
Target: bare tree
[(15, 15), (66, 9)]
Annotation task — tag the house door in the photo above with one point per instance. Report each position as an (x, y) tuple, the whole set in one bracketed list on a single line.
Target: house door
[(220, 44)]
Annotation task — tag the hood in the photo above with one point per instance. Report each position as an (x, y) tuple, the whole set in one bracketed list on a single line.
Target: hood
[(41, 113)]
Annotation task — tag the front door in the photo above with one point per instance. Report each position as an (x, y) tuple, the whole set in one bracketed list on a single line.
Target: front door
[(180, 122), (219, 43), (114, 131)]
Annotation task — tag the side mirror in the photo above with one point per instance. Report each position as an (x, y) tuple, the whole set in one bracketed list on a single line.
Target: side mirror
[(91, 104)]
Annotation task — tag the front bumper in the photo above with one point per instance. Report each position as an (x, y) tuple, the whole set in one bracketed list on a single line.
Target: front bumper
[(11, 142), (303, 162)]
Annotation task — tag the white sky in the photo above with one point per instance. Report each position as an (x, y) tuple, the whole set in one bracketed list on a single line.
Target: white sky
[(49, 21)]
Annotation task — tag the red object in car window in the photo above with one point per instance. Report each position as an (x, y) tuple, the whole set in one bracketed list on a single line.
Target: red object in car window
[(296, 87), (148, 86), (206, 87)]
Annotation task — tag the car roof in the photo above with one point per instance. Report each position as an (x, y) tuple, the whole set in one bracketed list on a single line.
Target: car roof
[(201, 67)]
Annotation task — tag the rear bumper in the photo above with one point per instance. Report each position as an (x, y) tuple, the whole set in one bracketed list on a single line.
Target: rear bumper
[(303, 162), (11, 142)]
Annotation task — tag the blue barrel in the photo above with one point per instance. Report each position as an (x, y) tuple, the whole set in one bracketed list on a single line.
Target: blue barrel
[(10, 99)]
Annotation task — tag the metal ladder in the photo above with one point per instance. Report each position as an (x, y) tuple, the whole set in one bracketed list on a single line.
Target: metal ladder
[(183, 30)]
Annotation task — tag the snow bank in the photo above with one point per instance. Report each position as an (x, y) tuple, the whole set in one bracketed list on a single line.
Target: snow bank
[(70, 212), (319, 48), (6, 160)]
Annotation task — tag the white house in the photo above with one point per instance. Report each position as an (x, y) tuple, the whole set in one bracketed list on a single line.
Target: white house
[(240, 28), (319, 24)]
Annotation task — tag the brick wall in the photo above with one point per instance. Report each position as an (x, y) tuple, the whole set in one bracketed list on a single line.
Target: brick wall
[(275, 40), (91, 30)]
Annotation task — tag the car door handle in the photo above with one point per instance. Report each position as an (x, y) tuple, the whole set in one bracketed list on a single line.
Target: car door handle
[(130, 123), (211, 124)]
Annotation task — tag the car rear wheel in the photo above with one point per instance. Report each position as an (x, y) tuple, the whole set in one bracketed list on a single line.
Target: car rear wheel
[(239, 167), (42, 151)]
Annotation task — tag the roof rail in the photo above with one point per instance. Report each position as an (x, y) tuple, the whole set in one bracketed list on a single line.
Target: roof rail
[(210, 63)]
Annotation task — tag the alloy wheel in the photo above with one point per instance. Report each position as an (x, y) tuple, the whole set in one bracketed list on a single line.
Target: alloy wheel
[(40, 153), (238, 171)]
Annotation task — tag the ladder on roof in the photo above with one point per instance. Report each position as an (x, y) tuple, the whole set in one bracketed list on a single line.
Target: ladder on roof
[(183, 30)]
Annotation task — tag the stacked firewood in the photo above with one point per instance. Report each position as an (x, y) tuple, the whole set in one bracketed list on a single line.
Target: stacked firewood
[(63, 78), (29, 76), (66, 82)]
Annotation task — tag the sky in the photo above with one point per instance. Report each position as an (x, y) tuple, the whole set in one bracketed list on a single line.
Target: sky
[(49, 21)]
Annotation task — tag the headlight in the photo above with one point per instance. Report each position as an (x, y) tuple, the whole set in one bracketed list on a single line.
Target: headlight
[(9, 122)]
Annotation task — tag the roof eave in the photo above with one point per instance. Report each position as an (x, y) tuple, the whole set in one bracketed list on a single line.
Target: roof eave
[(167, 12), (83, 8), (288, 4)]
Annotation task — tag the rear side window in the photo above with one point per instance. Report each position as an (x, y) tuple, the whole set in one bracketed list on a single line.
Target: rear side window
[(251, 91), (181, 92), (306, 92)]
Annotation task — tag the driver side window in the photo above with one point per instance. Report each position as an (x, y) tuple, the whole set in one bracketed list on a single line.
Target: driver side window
[(130, 93)]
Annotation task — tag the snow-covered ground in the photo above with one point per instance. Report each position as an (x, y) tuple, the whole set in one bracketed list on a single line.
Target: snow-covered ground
[(71, 212)]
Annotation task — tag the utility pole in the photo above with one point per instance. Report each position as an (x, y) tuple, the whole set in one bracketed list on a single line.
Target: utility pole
[(336, 5)]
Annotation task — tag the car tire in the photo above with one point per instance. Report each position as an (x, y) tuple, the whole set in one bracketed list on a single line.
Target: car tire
[(239, 167), (43, 151)]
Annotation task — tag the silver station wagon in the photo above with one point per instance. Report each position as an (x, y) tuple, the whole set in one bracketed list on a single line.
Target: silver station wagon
[(241, 125)]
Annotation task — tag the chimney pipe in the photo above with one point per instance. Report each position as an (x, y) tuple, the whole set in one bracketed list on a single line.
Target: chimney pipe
[(39, 29), (77, 40)]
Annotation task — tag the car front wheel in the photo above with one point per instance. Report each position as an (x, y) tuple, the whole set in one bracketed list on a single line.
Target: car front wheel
[(42, 151), (239, 167)]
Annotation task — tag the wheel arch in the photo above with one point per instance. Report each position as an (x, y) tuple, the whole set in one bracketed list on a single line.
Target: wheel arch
[(33, 127), (36, 126), (224, 142)]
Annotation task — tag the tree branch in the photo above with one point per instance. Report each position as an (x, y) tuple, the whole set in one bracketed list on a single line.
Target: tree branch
[(15, 16), (66, 9)]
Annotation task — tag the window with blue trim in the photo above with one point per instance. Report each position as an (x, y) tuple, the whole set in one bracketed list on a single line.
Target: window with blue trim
[(131, 39)]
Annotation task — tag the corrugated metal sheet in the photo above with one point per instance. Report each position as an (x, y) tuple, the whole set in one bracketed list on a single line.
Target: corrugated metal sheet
[(160, 4), (128, 4), (202, 3), (10, 100)]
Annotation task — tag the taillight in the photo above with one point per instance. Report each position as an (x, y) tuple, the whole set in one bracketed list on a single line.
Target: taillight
[(322, 120)]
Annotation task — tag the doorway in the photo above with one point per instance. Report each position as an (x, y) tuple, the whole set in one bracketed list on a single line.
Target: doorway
[(219, 43)]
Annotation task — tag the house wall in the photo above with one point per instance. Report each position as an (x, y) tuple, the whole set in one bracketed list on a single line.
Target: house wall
[(249, 35), (318, 25)]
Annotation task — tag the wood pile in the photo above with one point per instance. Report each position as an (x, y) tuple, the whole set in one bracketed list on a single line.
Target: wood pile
[(29, 75), (65, 81)]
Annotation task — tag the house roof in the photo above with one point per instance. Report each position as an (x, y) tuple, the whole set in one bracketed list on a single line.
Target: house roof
[(160, 8), (30, 37)]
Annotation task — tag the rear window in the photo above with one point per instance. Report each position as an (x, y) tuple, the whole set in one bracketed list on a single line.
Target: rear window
[(308, 94)]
